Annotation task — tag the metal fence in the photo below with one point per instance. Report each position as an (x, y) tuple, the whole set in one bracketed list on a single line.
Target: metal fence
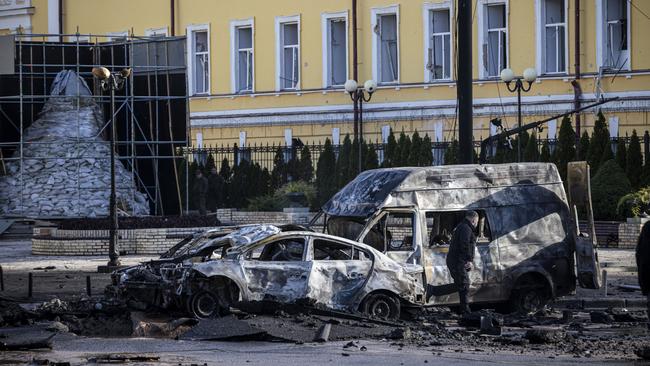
[(265, 154)]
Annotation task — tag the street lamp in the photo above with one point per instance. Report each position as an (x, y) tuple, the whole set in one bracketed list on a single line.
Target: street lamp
[(112, 82), (508, 76), (358, 95)]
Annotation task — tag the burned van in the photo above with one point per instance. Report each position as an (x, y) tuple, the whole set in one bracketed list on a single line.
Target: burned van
[(527, 235)]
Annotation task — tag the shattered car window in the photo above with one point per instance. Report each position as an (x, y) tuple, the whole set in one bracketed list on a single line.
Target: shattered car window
[(285, 250), (326, 250)]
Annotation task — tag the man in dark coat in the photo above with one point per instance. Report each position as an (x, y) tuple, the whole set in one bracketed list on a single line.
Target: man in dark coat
[(215, 189), (200, 191), (643, 263), (461, 256)]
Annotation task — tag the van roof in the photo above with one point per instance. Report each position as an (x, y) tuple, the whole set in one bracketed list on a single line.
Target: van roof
[(448, 187)]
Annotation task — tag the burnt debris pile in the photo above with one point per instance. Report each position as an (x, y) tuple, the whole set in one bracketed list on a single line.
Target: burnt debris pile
[(64, 168)]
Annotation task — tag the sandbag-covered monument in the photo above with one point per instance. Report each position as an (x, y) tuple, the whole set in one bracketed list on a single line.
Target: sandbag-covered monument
[(55, 124)]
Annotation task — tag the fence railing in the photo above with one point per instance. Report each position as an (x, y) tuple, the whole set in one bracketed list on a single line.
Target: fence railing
[(264, 154)]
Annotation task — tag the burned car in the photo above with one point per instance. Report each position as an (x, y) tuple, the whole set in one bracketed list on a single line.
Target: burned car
[(211, 272)]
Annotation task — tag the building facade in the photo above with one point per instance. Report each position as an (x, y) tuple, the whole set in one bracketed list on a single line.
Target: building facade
[(264, 71)]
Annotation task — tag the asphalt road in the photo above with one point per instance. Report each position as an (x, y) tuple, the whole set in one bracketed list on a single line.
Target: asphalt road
[(79, 350)]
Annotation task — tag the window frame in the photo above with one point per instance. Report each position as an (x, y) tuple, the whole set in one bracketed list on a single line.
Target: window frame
[(326, 19), (305, 249), (427, 10), (375, 13), (157, 32), (540, 14), (601, 36), (190, 30), (235, 25), (484, 33), (279, 51)]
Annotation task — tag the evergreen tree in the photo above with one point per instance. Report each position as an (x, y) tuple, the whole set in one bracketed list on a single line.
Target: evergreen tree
[(353, 168), (565, 150), (326, 184), (279, 172), (645, 173), (598, 144), (209, 164), (545, 155), (451, 153), (306, 166), (413, 158), (621, 153), (608, 153), (530, 152), (426, 152), (226, 174), (343, 163), (607, 187), (584, 147), (634, 167), (524, 142), (371, 160), (403, 149), (390, 151)]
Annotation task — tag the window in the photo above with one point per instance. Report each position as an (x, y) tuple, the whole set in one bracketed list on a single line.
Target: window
[(439, 45), (495, 39), (288, 37), (335, 49), (553, 36), (199, 63), (285, 250), (326, 250), (244, 62), (387, 56), (441, 225), (393, 232), (613, 34)]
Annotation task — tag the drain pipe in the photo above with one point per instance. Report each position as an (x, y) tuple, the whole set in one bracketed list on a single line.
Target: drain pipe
[(577, 91), (172, 23), (60, 20), (355, 68)]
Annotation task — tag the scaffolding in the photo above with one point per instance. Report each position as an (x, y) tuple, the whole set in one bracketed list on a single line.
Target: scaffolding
[(151, 111)]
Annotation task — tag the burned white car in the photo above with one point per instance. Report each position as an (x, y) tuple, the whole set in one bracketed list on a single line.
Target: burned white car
[(216, 270)]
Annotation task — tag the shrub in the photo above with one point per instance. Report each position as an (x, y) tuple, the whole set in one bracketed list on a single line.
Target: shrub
[(607, 188), (634, 163), (633, 204), (566, 149), (530, 152), (278, 200), (325, 174), (583, 149), (599, 142)]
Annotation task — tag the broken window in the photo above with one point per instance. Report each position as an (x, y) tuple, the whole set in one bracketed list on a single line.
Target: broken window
[(290, 56), (337, 44), (285, 250), (393, 232), (329, 250), (616, 53), (439, 62), (200, 62), (441, 225), (496, 40), (244, 62), (386, 31), (554, 36)]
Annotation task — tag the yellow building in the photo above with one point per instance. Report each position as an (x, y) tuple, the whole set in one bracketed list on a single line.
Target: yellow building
[(266, 71)]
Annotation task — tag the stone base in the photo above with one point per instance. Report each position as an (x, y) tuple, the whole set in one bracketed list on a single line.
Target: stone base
[(628, 235)]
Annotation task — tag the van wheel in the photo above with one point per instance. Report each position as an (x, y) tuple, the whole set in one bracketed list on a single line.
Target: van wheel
[(381, 306), (203, 305), (528, 298)]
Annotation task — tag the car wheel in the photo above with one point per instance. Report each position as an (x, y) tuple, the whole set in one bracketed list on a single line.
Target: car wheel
[(203, 305), (529, 299), (382, 306)]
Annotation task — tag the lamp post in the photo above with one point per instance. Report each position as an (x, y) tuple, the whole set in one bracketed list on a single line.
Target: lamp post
[(508, 76), (358, 95), (112, 82)]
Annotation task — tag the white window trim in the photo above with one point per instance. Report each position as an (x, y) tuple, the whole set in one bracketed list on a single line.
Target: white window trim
[(190, 58), (483, 34), (113, 35), (234, 25), (600, 40), (426, 9), (325, 19), (149, 32), (278, 50), (374, 13), (539, 46)]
